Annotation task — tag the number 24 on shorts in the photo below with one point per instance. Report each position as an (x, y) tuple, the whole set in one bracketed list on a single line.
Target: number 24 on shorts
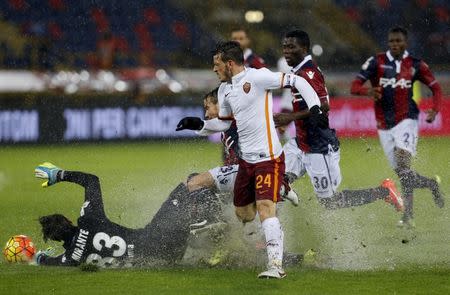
[(263, 180)]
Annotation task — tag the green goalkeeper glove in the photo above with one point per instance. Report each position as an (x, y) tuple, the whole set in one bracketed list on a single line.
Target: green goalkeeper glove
[(47, 171), (40, 254)]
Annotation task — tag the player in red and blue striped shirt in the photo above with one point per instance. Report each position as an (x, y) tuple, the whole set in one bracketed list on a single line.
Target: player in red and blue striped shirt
[(392, 74)]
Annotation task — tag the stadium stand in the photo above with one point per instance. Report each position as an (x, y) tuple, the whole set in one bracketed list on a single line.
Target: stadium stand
[(62, 34), (349, 30), (69, 33), (427, 21)]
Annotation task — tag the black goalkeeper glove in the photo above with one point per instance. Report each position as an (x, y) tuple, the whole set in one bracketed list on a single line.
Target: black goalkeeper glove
[(318, 118), (191, 123)]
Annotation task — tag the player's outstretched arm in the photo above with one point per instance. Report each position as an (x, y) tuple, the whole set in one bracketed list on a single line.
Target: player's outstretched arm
[(191, 123), (47, 171), (90, 182), (204, 127)]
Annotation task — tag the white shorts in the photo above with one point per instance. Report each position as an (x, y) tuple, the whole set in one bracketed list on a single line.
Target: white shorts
[(323, 169), (224, 177), (404, 136)]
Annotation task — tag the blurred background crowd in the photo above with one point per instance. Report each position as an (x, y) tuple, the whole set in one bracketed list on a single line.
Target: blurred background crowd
[(108, 44)]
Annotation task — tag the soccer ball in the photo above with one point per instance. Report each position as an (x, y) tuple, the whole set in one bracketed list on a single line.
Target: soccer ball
[(19, 248)]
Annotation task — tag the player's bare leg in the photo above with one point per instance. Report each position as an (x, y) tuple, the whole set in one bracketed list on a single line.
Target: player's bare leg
[(246, 213), (199, 181), (274, 239)]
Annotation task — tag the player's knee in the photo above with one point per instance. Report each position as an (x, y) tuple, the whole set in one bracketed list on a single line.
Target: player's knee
[(401, 166), (406, 176), (193, 182), (192, 186), (190, 176), (199, 181), (402, 158), (244, 218), (245, 214), (266, 209)]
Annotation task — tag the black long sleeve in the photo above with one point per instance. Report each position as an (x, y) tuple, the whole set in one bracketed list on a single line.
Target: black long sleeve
[(91, 183)]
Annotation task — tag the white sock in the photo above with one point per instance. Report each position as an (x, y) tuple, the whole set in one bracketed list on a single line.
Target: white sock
[(274, 241)]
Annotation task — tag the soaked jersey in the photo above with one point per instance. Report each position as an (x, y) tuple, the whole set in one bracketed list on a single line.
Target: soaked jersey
[(107, 244), (396, 78), (98, 240), (312, 140), (231, 151), (248, 100)]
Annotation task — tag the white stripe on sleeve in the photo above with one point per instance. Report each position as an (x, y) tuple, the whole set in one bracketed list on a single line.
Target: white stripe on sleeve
[(213, 126), (306, 91)]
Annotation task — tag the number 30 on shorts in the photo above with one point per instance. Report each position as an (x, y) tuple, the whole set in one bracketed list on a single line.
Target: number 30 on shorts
[(263, 180), (320, 182)]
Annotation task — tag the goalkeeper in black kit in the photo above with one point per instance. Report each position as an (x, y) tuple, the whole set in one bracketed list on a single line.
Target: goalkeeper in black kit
[(97, 240)]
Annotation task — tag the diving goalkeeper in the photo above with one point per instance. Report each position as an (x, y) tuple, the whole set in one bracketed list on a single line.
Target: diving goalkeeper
[(97, 240)]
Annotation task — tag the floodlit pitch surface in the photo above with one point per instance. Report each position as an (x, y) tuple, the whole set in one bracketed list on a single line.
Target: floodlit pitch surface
[(359, 250)]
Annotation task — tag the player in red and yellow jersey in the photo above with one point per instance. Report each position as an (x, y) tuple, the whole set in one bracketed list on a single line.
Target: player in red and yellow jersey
[(245, 96)]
